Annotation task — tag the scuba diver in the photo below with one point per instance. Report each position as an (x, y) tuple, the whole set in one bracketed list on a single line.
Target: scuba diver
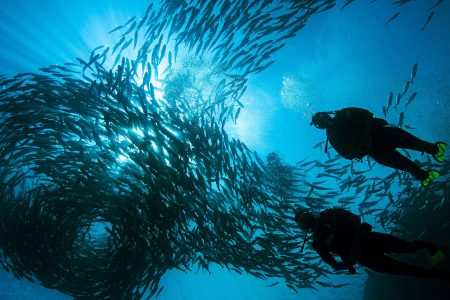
[(354, 132), (338, 231)]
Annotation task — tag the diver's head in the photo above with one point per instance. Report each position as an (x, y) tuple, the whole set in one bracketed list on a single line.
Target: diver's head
[(321, 120), (305, 219)]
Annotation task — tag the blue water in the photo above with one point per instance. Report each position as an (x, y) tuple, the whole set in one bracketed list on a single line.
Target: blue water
[(341, 58)]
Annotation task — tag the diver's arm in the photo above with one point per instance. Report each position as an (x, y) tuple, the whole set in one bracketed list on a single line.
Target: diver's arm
[(329, 259), (354, 228), (338, 265)]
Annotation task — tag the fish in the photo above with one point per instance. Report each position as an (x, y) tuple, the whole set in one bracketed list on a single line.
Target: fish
[(428, 20), (131, 27), (319, 145), (159, 291), (391, 199), (438, 2), (405, 88), (273, 284), (340, 285), (406, 153), (347, 3), (411, 98), (397, 100), (392, 18), (117, 45), (116, 28), (414, 71), (324, 284), (125, 45), (390, 99), (401, 119)]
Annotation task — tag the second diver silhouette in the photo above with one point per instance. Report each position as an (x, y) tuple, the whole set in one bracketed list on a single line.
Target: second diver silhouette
[(339, 232)]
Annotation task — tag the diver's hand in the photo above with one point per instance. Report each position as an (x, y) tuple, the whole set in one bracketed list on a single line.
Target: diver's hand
[(340, 266), (351, 270)]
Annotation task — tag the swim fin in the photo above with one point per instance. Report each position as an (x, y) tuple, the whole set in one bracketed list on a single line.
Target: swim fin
[(432, 175), (439, 155), (436, 258)]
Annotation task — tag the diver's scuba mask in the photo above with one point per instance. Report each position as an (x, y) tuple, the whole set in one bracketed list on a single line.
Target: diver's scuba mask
[(305, 222)]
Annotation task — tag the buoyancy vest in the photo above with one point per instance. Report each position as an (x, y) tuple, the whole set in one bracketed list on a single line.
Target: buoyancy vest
[(349, 132), (335, 231)]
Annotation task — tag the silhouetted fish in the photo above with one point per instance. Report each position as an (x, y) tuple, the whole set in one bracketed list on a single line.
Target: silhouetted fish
[(428, 20), (392, 18), (411, 98), (414, 72)]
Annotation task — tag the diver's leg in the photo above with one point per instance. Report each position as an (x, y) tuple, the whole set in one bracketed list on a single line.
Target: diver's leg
[(392, 158), (399, 138), (387, 243), (389, 265)]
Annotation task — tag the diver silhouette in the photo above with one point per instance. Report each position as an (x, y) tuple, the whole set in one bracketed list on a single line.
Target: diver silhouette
[(340, 232), (354, 132)]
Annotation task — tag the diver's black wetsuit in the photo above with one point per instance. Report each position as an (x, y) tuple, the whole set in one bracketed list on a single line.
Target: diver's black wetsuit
[(354, 133), (385, 140), (340, 232)]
